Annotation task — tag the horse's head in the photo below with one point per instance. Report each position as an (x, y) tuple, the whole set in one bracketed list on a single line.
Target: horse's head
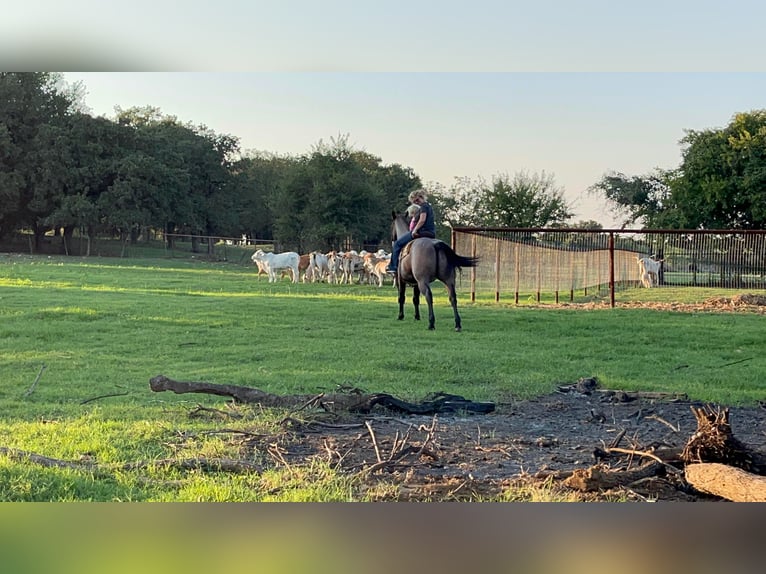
[(399, 225)]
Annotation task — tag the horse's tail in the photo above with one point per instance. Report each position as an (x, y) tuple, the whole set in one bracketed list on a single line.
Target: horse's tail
[(455, 259)]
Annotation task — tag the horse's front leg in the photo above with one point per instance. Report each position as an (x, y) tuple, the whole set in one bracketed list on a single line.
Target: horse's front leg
[(416, 301), (402, 288), (426, 290)]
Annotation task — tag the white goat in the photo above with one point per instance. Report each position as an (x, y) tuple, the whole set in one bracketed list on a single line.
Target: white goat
[(273, 262), (649, 271)]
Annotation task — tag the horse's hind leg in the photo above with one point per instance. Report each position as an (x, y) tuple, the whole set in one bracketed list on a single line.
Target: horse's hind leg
[(453, 301), (416, 301), (428, 294)]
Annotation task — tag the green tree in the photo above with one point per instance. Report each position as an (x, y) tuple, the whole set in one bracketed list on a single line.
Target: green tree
[(719, 185), (32, 110), (586, 224), (644, 200), (722, 177), (90, 150), (523, 200), (337, 197), (256, 178), (177, 178), (392, 185), (460, 204)]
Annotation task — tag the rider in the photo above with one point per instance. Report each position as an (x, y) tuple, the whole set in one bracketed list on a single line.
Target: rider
[(424, 227), (413, 212)]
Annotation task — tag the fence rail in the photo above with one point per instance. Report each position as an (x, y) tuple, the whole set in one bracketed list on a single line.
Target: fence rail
[(562, 262)]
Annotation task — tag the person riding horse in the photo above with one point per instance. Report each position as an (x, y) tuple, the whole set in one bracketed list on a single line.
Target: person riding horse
[(425, 226)]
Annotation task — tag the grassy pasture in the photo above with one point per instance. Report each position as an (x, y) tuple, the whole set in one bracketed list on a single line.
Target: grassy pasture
[(102, 326)]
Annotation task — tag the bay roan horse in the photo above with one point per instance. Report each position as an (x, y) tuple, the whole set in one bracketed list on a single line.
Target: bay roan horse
[(423, 261)]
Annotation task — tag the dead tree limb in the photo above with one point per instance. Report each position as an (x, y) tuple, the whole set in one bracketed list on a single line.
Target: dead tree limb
[(598, 477), (37, 380), (17, 454), (359, 403), (201, 463), (86, 401)]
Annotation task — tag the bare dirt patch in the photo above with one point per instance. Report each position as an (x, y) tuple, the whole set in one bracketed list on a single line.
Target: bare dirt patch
[(530, 442), (741, 303)]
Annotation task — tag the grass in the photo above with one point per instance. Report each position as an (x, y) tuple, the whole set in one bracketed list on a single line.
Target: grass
[(73, 329)]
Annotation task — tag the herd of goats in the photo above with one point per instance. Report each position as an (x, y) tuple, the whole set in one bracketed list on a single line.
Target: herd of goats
[(333, 267), (365, 267)]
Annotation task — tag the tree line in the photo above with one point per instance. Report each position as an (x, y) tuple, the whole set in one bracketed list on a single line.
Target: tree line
[(143, 171), (62, 169), (720, 184)]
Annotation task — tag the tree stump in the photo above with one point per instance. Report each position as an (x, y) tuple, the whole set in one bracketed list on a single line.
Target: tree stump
[(714, 441)]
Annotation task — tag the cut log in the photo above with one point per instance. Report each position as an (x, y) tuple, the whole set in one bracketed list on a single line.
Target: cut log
[(727, 482)]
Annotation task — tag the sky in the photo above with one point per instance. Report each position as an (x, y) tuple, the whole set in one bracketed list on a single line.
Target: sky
[(449, 88)]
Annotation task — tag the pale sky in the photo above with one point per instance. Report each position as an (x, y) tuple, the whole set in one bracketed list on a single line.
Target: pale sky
[(449, 88)]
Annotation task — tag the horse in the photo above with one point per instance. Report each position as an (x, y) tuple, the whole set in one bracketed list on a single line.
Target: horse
[(421, 262)]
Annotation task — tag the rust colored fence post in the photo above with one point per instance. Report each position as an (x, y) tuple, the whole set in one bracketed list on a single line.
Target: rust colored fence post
[(497, 270), (611, 268), (473, 269)]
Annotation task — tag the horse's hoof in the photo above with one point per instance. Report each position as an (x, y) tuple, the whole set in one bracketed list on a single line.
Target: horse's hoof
[(431, 328), (458, 329)]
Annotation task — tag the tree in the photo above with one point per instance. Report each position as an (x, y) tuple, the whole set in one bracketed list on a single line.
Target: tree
[(524, 200), (459, 205), (589, 224), (32, 109), (392, 185), (256, 177), (637, 199), (337, 197), (719, 185), (177, 177), (90, 149), (722, 177)]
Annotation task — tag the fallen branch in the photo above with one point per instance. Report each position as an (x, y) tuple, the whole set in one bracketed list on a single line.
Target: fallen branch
[(676, 428), (86, 401), (360, 403), (600, 478), (374, 440), (37, 380), (202, 463), (645, 454), (200, 409), (628, 396), (23, 455)]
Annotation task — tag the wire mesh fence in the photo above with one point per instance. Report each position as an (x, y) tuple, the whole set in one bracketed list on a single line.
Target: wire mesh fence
[(523, 263)]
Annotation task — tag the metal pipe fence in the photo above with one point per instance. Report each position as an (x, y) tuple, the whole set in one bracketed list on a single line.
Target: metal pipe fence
[(521, 263)]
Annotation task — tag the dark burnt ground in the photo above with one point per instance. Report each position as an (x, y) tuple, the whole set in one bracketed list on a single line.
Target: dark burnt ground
[(478, 456)]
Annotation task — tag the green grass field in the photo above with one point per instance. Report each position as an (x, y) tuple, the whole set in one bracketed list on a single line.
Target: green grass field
[(74, 329)]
